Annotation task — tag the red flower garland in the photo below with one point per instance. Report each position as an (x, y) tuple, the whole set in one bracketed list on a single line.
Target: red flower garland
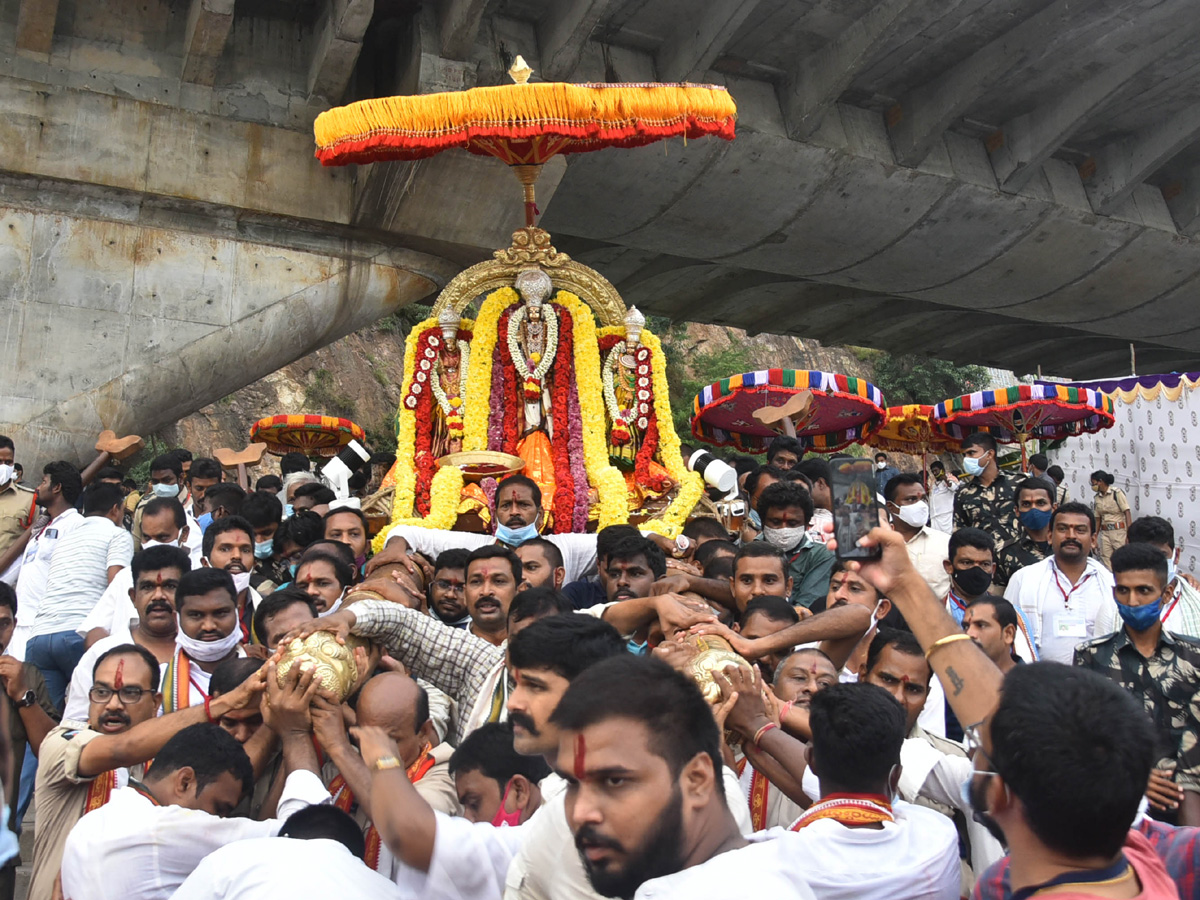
[(649, 446), (564, 484), (503, 358)]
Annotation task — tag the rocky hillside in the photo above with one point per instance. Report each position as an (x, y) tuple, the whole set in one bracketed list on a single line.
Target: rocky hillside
[(359, 377)]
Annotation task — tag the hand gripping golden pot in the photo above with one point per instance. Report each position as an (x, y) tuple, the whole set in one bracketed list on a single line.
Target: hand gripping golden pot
[(715, 654), (336, 670)]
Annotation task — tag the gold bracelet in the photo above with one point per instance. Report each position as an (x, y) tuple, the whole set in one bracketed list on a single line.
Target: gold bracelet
[(942, 642), (386, 762)]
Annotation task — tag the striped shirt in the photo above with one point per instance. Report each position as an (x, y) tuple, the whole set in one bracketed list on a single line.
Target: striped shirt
[(79, 573)]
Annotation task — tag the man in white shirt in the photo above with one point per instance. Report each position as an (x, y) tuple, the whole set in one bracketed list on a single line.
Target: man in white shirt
[(518, 517), (1068, 597), (942, 487), (83, 565), (152, 834), (318, 853), (165, 524), (909, 514), (859, 840), (156, 574), (60, 488), (640, 751), (207, 634)]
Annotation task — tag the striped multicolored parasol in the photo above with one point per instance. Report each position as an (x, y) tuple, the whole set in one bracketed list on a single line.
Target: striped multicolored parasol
[(310, 435), (1015, 414), (844, 410)]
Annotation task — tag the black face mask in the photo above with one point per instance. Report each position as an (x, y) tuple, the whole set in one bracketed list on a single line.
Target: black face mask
[(973, 581)]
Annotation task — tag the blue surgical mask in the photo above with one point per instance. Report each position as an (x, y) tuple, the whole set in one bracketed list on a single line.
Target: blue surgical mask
[(166, 491), (1141, 618), (264, 549), (636, 648), (1035, 519), (1172, 569), (516, 536), (287, 510), (972, 466), (754, 520), (204, 521)]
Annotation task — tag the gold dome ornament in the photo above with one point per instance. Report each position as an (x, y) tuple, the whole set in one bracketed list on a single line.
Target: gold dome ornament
[(715, 653), (336, 669)]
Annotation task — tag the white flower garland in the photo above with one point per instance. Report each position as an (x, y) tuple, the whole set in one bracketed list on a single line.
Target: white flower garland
[(514, 346), (610, 391), (435, 384)]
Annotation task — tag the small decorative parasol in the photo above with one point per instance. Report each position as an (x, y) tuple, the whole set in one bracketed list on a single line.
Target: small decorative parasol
[(310, 435), (910, 429), (522, 125), (1014, 415), (737, 411)]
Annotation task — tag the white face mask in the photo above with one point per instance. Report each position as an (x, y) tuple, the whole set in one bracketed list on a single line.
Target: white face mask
[(241, 580), (784, 538), (207, 651), (915, 514), (336, 606), (7, 473), (146, 545), (881, 465)]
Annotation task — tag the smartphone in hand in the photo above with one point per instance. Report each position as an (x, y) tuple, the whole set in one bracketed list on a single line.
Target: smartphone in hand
[(855, 506)]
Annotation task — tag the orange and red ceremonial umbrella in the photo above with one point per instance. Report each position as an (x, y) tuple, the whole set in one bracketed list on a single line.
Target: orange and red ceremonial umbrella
[(523, 124), (911, 429), (310, 435)]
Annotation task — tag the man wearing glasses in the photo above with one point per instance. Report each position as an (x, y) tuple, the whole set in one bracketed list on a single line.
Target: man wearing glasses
[(80, 767), (447, 600)]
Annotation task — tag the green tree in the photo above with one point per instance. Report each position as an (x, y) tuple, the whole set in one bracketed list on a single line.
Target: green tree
[(920, 379), (689, 372)]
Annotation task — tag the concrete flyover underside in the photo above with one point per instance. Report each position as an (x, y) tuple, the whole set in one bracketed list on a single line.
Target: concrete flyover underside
[(1008, 182)]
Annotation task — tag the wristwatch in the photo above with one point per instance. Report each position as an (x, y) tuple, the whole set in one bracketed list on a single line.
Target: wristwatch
[(386, 762), (27, 700)]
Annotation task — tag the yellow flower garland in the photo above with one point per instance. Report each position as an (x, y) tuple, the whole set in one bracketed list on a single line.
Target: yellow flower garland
[(606, 478), (479, 379), (404, 497), (691, 485)]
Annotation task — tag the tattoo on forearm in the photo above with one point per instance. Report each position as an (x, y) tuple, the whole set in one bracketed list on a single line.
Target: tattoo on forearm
[(955, 681)]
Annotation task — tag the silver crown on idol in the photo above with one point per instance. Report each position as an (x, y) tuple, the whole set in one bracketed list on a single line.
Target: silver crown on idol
[(534, 286), (448, 322), (634, 323)]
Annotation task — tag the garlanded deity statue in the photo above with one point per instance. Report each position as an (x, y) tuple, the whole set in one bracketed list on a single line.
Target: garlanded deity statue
[(533, 347), (449, 379), (627, 372)]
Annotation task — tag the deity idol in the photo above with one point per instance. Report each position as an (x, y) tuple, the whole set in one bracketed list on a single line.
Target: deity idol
[(533, 347), (629, 402), (449, 379)]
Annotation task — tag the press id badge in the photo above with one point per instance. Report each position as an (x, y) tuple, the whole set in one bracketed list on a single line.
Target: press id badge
[(1070, 625)]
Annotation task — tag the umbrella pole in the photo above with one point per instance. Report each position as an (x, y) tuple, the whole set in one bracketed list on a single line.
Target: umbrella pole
[(528, 176)]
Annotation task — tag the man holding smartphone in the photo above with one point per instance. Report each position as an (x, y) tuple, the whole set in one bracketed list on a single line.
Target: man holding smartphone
[(942, 487)]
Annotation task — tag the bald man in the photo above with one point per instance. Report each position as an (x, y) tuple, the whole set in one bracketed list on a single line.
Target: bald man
[(397, 704)]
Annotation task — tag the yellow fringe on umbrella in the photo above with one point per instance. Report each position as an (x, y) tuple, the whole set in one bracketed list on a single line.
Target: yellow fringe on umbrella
[(566, 118)]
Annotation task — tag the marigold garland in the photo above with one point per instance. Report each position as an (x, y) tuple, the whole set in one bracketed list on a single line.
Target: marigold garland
[(560, 406), (479, 379), (405, 471)]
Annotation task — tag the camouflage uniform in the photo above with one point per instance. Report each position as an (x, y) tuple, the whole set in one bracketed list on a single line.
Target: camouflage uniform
[(992, 508), (1017, 555), (1167, 684)]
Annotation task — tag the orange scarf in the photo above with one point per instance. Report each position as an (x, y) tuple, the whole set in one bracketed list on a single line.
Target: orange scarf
[(100, 790), (852, 810), (343, 799)]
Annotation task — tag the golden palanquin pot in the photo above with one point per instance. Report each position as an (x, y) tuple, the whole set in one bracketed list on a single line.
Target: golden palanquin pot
[(715, 654), (335, 667)]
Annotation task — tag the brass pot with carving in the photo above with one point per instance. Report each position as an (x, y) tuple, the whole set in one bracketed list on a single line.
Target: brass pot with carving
[(335, 665), (713, 655)]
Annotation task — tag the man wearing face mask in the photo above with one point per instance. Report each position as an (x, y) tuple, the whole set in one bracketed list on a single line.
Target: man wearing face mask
[(1162, 670), (166, 481), (16, 502), (908, 512), (785, 510), (757, 481), (987, 501), (264, 512), (884, 472), (1181, 614), (229, 545), (518, 516), (155, 574), (207, 635), (1035, 505), (220, 500)]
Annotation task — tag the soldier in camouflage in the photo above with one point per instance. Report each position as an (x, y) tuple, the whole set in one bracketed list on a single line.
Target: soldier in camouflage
[(1035, 505), (987, 502)]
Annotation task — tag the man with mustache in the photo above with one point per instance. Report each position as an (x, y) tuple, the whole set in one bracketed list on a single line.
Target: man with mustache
[(229, 545), (541, 564), (207, 635), (1068, 597), (80, 767), (156, 572)]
